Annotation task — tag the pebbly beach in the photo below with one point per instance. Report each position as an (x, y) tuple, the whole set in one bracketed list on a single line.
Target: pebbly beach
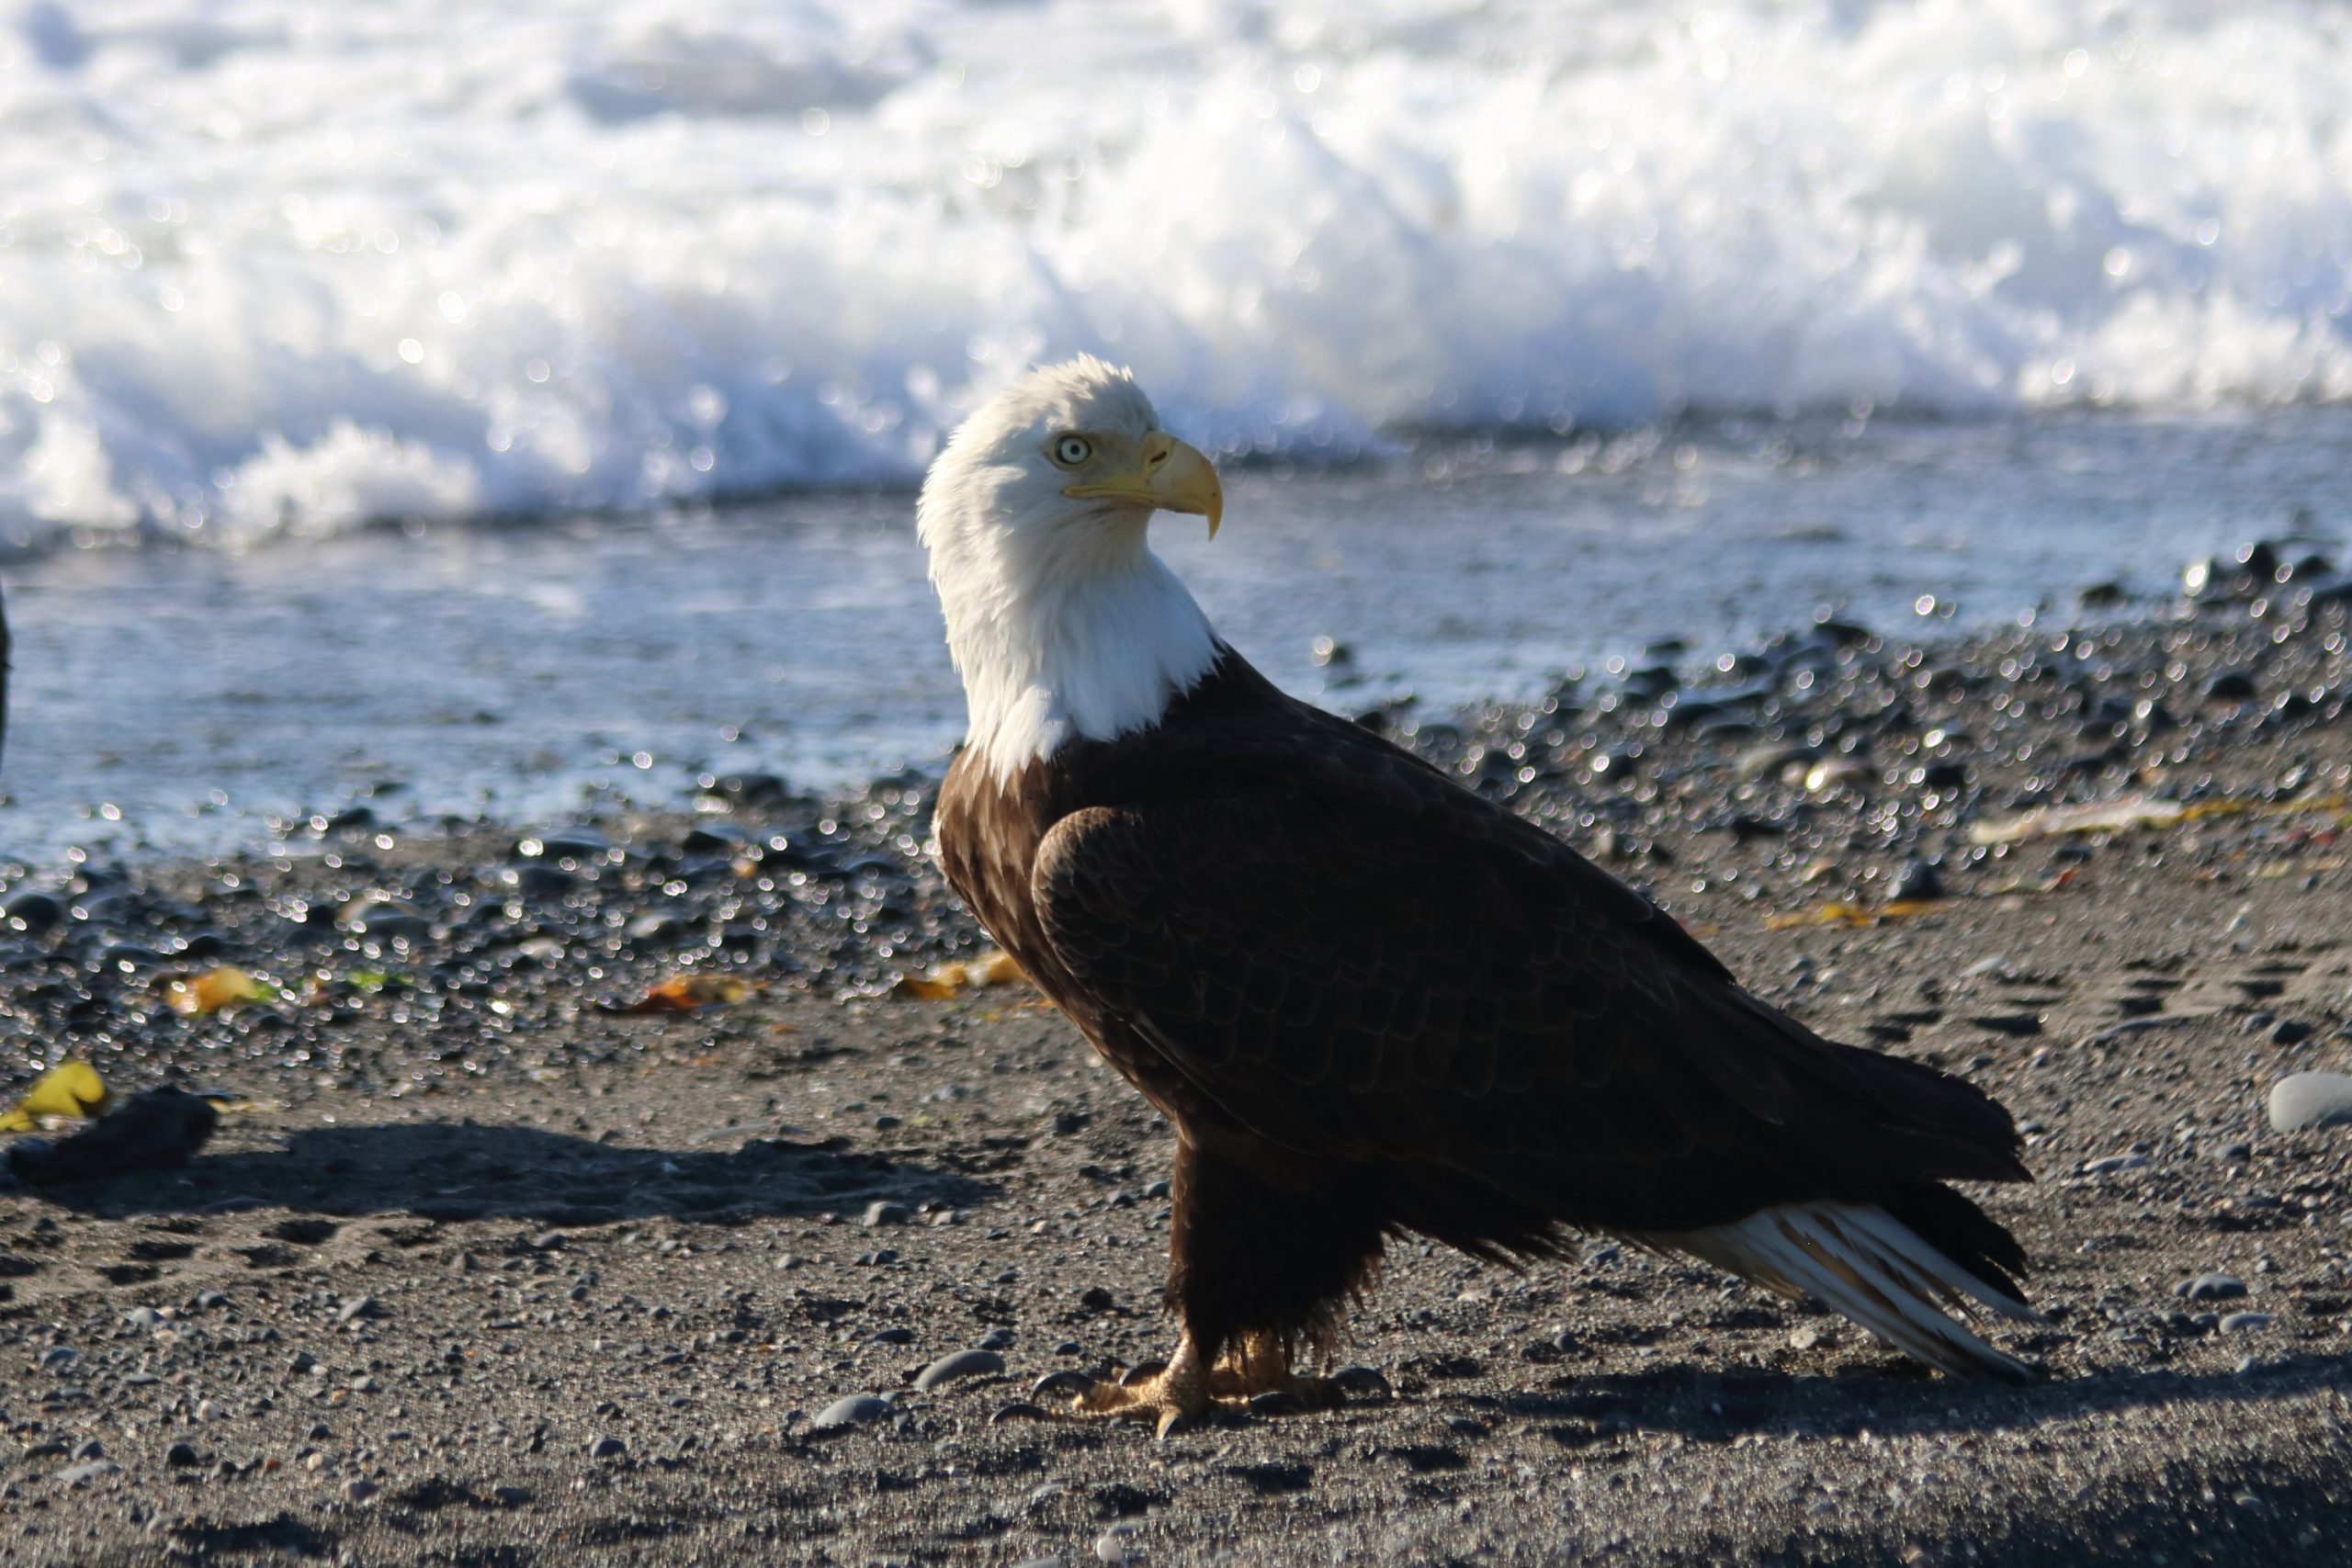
[(683, 1185)]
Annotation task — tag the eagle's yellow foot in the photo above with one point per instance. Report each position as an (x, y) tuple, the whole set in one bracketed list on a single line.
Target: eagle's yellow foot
[(1170, 1399), (1256, 1371)]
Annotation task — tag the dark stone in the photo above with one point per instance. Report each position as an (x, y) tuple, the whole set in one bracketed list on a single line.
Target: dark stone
[(960, 1364)]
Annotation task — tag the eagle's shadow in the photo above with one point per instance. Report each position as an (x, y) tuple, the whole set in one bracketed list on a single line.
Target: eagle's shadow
[(464, 1170), (1717, 1407)]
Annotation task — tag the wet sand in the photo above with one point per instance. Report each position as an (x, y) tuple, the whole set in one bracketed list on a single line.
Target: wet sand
[(489, 1272)]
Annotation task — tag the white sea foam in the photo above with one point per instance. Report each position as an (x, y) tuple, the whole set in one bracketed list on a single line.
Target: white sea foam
[(270, 266)]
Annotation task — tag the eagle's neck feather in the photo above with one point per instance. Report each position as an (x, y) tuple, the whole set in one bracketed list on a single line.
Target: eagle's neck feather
[(1080, 633)]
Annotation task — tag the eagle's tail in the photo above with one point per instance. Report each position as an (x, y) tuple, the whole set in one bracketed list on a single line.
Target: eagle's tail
[(1864, 1262)]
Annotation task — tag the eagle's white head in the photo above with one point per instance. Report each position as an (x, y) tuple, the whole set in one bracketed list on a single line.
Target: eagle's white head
[(1062, 622)]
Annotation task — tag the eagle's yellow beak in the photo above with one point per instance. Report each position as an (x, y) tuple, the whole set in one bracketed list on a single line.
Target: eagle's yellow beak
[(1169, 476)]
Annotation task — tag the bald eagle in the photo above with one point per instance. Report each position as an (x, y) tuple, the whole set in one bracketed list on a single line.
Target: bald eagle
[(1372, 1003)]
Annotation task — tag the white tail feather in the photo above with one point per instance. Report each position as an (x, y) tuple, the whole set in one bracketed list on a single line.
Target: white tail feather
[(1859, 1260)]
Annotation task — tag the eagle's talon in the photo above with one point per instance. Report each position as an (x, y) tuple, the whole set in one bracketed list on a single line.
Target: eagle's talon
[(1141, 1372), (1019, 1410)]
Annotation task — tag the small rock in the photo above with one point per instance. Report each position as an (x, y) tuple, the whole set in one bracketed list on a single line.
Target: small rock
[(1111, 1546), (883, 1213), (182, 1456), (355, 1308), (606, 1446), (1917, 881), (2290, 1032), (2211, 1288), (358, 1489), (143, 1318), (2113, 1163), (34, 910), (856, 1410), (1156, 1189), (86, 1471), (2311, 1099), (1832, 773), (89, 1447), (211, 1301), (59, 1357), (962, 1364), (2246, 1321), (363, 1383)]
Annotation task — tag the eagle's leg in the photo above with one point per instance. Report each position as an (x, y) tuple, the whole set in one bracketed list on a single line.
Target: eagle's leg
[(1258, 1363), (1176, 1394), (1256, 1268), (1260, 1264)]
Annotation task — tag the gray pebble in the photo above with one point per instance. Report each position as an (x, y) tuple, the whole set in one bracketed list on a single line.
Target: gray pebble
[(2211, 1288), (606, 1446), (961, 1364), (182, 1456), (355, 1308), (58, 1358), (2311, 1099), (2113, 1163), (2246, 1321), (88, 1471), (2290, 1032), (358, 1489), (89, 1447), (854, 1410), (143, 1318), (884, 1212)]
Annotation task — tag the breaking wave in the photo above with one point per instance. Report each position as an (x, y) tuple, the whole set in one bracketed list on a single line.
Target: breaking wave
[(274, 267)]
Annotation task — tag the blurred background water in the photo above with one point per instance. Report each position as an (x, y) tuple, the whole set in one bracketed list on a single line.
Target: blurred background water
[(1534, 331)]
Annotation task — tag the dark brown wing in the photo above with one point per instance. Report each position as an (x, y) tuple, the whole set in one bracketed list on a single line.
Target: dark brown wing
[(1359, 961)]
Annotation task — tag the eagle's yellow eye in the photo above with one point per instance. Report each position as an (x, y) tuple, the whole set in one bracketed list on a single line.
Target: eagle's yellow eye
[(1070, 451)]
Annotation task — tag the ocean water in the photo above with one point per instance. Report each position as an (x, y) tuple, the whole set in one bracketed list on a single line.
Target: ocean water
[(529, 668), (516, 403), (278, 267)]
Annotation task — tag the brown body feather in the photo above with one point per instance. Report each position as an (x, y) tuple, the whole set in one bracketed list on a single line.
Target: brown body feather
[(1372, 1003)]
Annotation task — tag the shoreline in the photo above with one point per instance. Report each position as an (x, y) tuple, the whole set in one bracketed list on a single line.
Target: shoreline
[(490, 1267), (520, 674)]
